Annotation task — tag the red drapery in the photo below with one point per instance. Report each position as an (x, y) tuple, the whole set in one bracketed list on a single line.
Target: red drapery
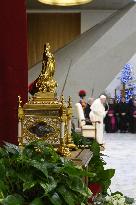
[(13, 65)]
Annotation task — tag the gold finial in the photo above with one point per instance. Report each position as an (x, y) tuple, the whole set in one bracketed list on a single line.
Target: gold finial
[(20, 109), (19, 101)]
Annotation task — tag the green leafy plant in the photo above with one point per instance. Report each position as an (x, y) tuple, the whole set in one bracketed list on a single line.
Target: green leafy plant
[(100, 182), (37, 175), (97, 165)]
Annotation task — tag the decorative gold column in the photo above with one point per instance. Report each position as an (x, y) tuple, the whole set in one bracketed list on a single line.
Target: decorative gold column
[(20, 119), (69, 141), (63, 150)]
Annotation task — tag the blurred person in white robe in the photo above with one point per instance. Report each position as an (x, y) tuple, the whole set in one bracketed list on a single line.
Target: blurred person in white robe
[(97, 114)]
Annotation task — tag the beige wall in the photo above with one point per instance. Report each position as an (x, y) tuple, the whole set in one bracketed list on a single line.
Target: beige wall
[(92, 17), (56, 28)]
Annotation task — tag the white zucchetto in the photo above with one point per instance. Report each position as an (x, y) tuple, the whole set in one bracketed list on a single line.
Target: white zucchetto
[(102, 96)]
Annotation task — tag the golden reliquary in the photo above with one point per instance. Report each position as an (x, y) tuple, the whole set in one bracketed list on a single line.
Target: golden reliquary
[(44, 117)]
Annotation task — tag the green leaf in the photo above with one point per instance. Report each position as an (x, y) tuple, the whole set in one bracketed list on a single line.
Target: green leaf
[(50, 186), (73, 170), (117, 192), (28, 185), (129, 200), (36, 201), (95, 148), (107, 174), (3, 187), (25, 175), (40, 166), (3, 153), (67, 195), (13, 200), (77, 185), (2, 168), (55, 199), (11, 148)]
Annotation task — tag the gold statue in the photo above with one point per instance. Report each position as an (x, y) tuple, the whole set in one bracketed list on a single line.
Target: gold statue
[(45, 81)]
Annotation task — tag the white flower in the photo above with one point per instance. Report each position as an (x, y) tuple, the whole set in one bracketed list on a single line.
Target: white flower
[(107, 198), (115, 200), (115, 203), (121, 201)]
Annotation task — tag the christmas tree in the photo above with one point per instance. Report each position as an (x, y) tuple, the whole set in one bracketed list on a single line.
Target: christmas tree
[(127, 77)]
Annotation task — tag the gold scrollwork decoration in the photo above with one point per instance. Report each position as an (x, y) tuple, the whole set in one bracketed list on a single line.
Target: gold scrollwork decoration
[(51, 138)]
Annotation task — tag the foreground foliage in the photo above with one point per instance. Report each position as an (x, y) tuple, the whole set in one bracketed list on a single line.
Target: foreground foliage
[(38, 176), (97, 165), (101, 181)]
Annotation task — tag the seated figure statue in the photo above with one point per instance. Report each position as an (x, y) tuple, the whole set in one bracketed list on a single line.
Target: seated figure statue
[(45, 81)]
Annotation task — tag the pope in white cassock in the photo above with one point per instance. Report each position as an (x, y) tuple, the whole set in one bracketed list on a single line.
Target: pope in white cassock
[(97, 114)]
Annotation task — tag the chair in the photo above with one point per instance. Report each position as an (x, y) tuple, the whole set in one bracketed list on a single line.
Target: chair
[(88, 131)]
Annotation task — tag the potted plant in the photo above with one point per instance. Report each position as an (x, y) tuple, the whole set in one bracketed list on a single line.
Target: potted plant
[(101, 181), (99, 184), (102, 176), (37, 175)]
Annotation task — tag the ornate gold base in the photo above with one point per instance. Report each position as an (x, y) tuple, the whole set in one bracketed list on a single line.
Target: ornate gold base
[(42, 96), (63, 150)]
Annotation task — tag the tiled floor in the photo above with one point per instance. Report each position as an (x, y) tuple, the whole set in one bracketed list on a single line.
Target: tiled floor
[(121, 152)]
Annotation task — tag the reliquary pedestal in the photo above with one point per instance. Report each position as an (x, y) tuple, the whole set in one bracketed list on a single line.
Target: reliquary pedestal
[(45, 117)]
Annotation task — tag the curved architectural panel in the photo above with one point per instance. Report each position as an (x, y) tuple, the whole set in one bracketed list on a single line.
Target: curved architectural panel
[(96, 57)]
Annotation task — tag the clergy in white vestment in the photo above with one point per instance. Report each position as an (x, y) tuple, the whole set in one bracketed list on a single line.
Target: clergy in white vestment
[(97, 114)]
